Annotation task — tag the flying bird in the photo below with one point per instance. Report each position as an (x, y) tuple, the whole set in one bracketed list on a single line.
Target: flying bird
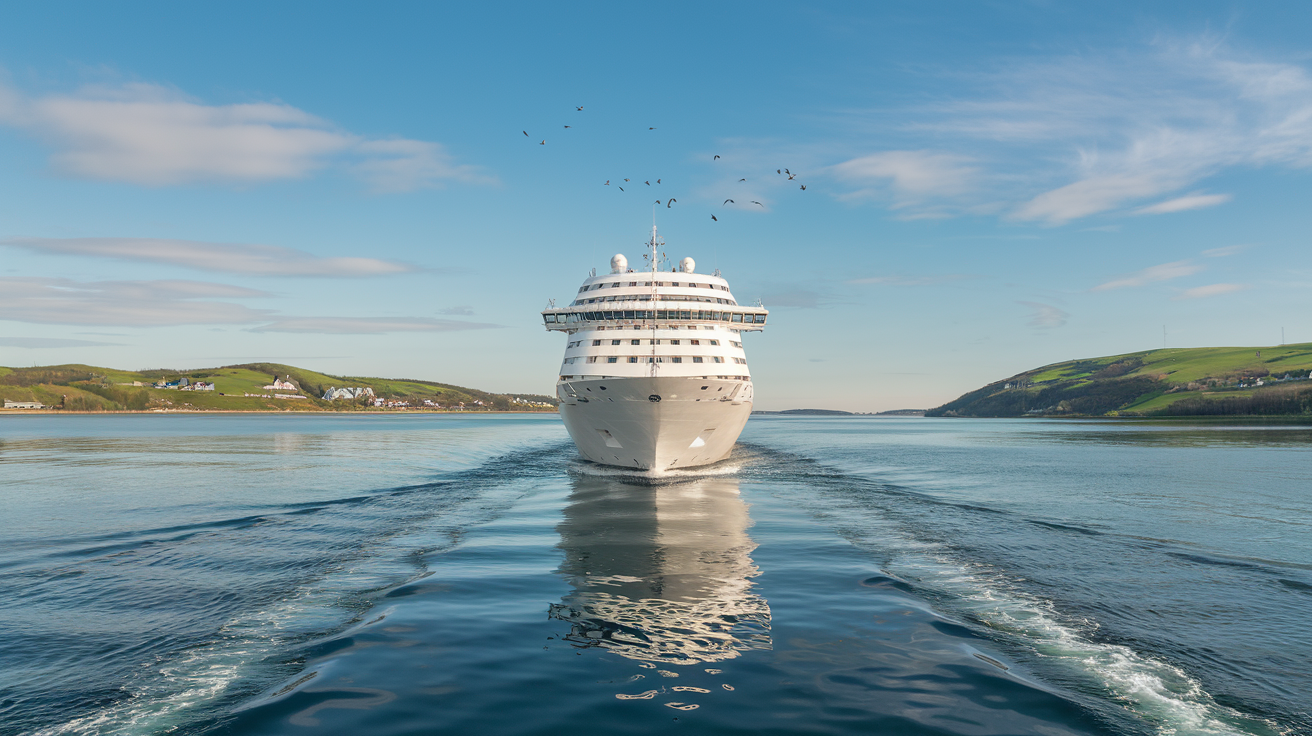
[(651, 129), (670, 202), (579, 108), (626, 180), (717, 156), (727, 201), (786, 171), (777, 171), (566, 126), (525, 133), (658, 181), (804, 187), (658, 201), (542, 143), (755, 202), (742, 180), (792, 176), (621, 188), (607, 183), (647, 183), (713, 218)]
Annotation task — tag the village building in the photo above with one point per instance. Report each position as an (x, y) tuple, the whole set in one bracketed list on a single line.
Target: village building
[(278, 385)]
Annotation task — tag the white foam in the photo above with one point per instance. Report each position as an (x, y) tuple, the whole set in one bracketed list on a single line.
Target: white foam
[(655, 476)]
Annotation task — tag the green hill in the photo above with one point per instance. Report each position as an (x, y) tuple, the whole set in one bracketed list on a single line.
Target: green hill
[(241, 388), (1167, 382)]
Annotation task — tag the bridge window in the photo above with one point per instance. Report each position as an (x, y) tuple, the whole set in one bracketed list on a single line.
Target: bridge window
[(636, 342), (696, 359), (633, 359), (612, 359)]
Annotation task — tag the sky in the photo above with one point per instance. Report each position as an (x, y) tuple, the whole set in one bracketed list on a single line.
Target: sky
[(398, 191)]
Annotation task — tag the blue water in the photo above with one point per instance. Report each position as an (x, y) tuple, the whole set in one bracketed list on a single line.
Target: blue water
[(460, 574)]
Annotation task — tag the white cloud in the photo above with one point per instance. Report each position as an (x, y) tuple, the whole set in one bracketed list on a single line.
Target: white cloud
[(1045, 316), (38, 343), (145, 303), (1200, 292), (368, 325), (912, 175), (257, 260), (1181, 204), (1228, 250), (150, 135), (1061, 138), (907, 280), (1151, 275)]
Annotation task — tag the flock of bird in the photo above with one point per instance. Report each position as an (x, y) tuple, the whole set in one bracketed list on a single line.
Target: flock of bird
[(781, 172)]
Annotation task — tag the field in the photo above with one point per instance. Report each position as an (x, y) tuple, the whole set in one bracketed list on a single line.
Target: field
[(93, 388), (1170, 381)]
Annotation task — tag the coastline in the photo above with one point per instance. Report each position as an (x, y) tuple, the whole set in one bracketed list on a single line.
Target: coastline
[(116, 412)]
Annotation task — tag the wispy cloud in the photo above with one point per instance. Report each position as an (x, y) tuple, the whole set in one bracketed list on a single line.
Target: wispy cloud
[(1228, 250), (1181, 204), (1060, 138), (907, 280), (140, 303), (1201, 292), (256, 260), (1045, 316), (368, 325), (909, 178), (1151, 275), (151, 135), (38, 343)]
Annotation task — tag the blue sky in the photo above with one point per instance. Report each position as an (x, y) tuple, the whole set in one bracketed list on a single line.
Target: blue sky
[(990, 186)]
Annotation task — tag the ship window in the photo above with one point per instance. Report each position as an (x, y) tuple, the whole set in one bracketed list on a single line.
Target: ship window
[(614, 342), (737, 317), (731, 342), (705, 387), (659, 283), (695, 342), (676, 360), (760, 319), (612, 359), (592, 359), (598, 342), (697, 359), (655, 342), (633, 359), (715, 342), (633, 283), (635, 342), (718, 359), (674, 342), (683, 315), (676, 283)]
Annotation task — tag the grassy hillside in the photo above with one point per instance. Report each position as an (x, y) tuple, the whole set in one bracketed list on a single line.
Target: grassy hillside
[(92, 388), (1167, 382)]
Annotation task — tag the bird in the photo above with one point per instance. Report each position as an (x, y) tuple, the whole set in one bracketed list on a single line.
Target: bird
[(579, 108), (713, 218), (626, 180), (742, 180), (717, 156), (566, 126), (658, 201), (651, 129), (804, 187), (791, 177), (670, 202), (658, 181), (786, 171), (728, 201), (777, 171), (648, 183), (621, 188), (525, 133), (755, 202), (607, 183), (542, 142)]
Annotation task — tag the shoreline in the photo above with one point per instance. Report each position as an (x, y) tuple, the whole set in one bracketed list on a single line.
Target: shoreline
[(292, 412)]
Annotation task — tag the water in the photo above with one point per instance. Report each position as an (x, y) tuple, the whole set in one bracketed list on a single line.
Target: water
[(452, 574)]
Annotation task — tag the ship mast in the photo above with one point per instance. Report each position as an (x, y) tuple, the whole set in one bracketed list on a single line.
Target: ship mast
[(654, 244)]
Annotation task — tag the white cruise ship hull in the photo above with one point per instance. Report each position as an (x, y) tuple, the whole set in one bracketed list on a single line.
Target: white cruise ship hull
[(623, 424)]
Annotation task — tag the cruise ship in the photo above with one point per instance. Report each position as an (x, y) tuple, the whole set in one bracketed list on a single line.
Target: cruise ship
[(654, 375)]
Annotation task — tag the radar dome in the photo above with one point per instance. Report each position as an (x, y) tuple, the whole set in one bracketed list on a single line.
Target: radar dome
[(618, 263), (687, 265)]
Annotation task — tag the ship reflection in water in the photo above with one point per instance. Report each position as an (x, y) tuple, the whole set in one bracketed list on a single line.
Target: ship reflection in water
[(661, 574)]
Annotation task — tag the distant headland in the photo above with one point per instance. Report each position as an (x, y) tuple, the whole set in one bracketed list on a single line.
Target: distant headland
[(1171, 382), (261, 387)]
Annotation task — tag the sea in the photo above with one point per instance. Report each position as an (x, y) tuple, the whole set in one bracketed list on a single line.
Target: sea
[(465, 574)]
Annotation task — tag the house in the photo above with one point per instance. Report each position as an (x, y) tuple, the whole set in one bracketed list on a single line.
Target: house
[(199, 386), (180, 383), (278, 385), (333, 394), (24, 404)]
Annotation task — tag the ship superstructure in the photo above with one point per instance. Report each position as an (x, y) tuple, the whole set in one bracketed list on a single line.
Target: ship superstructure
[(654, 374)]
